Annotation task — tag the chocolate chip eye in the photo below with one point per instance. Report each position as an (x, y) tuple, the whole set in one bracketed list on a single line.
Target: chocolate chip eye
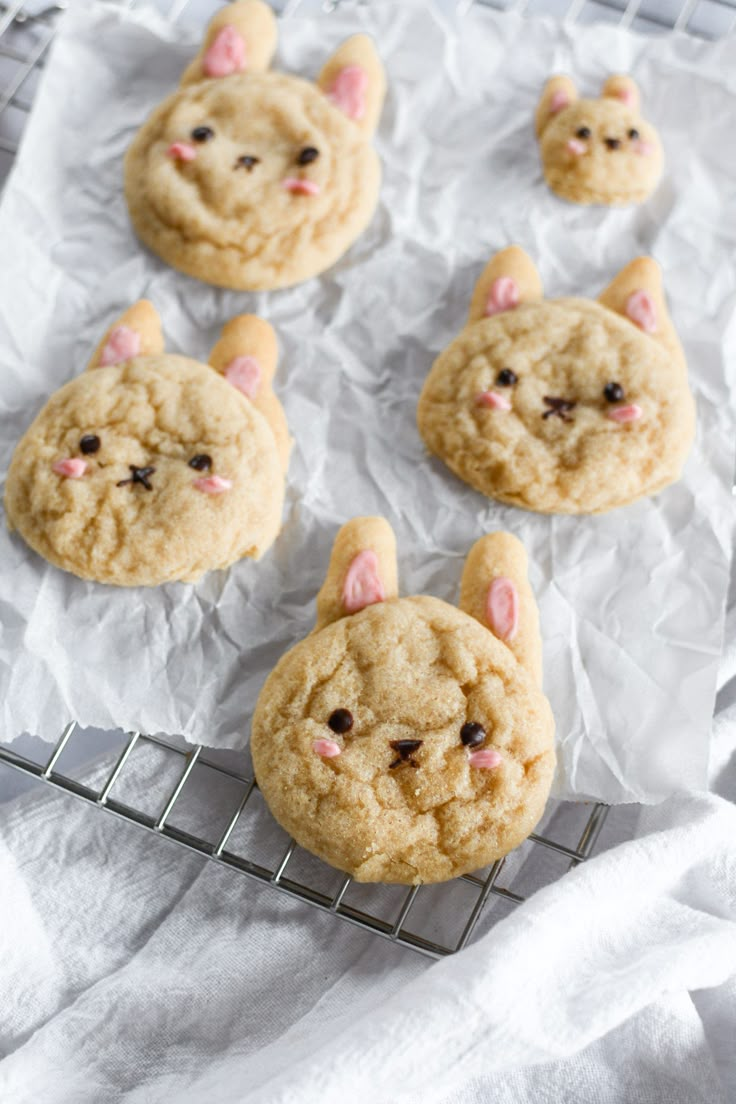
[(307, 156), (583, 132), (341, 721), (472, 734), (613, 392), (89, 443), (506, 378), (202, 134), (248, 162), (201, 462), (633, 134)]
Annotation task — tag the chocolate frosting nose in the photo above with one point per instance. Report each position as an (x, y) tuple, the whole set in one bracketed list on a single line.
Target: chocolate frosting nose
[(406, 749)]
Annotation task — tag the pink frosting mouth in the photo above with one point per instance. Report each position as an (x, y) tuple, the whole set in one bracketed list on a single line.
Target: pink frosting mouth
[(486, 758), (213, 484), (181, 151), (298, 186), (623, 414), (328, 749), (73, 467), (493, 400)]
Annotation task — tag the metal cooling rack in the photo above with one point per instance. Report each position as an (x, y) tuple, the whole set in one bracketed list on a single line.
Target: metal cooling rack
[(436, 920)]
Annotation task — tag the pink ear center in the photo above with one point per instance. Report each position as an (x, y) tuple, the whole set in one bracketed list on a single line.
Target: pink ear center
[(244, 373), (226, 55), (122, 344), (640, 308), (560, 100), (504, 295), (626, 96), (362, 586), (349, 91), (502, 608)]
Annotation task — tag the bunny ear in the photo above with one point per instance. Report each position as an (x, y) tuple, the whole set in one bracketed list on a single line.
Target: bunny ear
[(559, 92), (509, 278), (136, 333), (622, 88), (355, 81), (241, 36), (362, 570), (246, 355), (637, 294), (495, 591)]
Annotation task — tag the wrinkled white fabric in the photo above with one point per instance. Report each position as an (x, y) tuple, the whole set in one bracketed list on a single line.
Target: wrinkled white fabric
[(631, 602)]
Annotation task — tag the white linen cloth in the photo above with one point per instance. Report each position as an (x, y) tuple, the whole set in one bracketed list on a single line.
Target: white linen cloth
[(631, 602), (131, 971)]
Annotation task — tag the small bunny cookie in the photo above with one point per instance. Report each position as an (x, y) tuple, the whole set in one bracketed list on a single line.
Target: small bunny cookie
[(568, 406), (255, 180), (597, 151), (151, 467), (406, 740)]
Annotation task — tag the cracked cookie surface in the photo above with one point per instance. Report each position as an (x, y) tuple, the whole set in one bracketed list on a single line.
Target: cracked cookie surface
[(369, 736), (598, 151), (146, 471), (254, 180), (562, 406)]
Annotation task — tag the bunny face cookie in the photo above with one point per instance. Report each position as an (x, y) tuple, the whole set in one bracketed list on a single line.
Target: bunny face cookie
[(150, 467), (597, 151), (406, 740), (561, 405), (256, 180)]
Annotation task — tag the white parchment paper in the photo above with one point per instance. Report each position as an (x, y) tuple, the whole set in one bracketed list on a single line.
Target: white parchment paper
[(631, 602)]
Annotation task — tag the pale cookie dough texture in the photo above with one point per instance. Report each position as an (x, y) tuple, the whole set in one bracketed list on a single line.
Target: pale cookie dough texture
[(405, 740), (256, 180), (150, 467), (564, 406), (597, 151)]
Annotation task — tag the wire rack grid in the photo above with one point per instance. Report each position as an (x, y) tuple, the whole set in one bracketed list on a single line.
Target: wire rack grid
[(436, 920)]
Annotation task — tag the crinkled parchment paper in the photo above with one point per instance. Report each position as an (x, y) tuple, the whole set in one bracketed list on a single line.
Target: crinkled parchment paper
[(631, 602)]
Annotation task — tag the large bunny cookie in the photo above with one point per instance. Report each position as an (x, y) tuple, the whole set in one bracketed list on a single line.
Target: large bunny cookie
[(562, 405), (597, 151), (254, 180), (151, 467), (406, 740)]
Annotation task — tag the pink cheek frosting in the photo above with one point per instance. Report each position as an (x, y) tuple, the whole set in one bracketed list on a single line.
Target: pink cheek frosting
[(181, 151), (493, 400), (72, 468), (122, 344), (226, 55), (644, 149), (349, 91), (504, 295), (298, 186), (244, 374), (328, 749), (486, 758), (577, 147), (213, 484), (630, 413)]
